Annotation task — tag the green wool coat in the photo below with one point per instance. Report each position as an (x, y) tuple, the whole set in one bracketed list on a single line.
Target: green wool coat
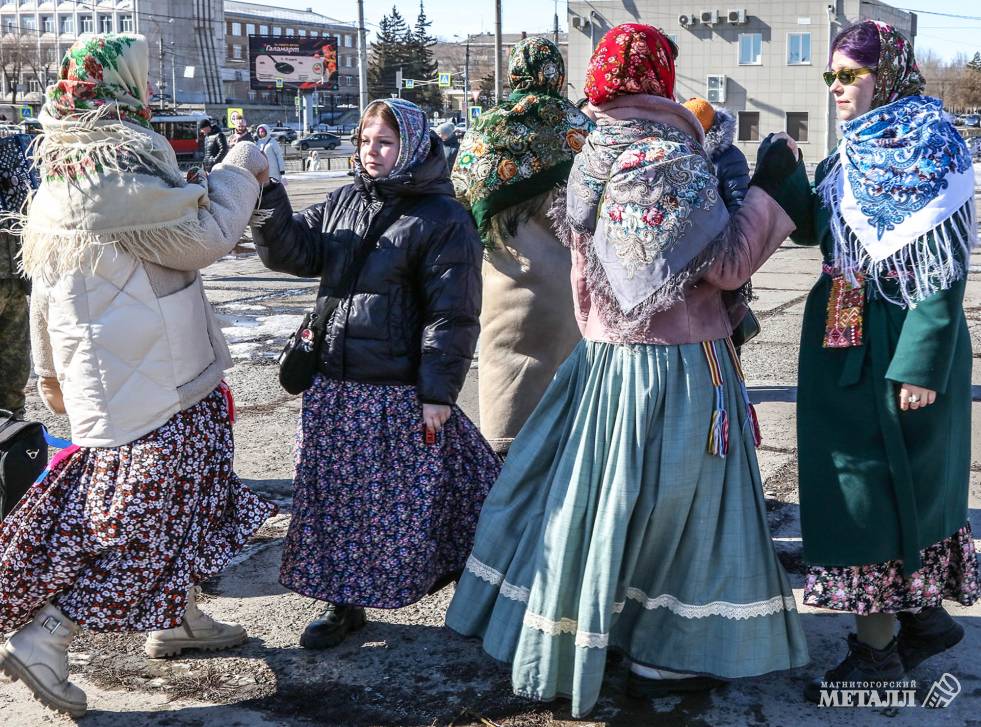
[(878, 483)]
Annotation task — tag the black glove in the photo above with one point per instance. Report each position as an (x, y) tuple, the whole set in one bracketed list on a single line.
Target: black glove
[(774, 164)]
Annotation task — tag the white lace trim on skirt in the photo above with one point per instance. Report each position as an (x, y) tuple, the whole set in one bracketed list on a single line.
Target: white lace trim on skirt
[(592, 640)]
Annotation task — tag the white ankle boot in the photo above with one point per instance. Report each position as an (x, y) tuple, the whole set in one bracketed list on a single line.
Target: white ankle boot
[(38, 656), (197, 631)]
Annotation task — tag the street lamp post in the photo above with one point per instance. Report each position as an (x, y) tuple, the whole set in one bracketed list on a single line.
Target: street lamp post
[(466, 81)]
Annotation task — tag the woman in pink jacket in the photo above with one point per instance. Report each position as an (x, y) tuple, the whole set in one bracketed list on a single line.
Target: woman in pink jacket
[(630, 514)]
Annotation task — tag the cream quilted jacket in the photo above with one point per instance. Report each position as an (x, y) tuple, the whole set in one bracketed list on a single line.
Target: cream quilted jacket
[(132, 343)]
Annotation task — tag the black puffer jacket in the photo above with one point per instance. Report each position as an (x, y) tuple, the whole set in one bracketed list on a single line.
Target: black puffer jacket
[(215, 149), (413, 313), (731, 166)]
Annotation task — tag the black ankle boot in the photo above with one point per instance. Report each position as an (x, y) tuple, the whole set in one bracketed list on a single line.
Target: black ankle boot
[(333, 626), (640, 687), (863, 664), (925, 634)]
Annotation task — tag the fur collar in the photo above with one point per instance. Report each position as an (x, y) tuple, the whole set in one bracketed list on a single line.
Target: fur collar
[(720, 137)]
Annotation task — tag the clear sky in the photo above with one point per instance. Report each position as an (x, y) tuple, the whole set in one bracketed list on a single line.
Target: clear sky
[(946, 36)]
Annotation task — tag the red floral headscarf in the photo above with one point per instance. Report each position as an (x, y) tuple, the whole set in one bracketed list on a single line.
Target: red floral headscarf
[(631, 58)]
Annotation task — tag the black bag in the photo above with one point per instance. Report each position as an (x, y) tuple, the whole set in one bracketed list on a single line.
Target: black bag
[(747, 330), (23, 457), (300, 359)]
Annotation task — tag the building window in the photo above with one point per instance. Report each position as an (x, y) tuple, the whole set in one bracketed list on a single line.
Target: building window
[(33, 86), (302, 33), (51, 55), (236, 29), (66, 24), (250, 28), (749, 126), (86, 24), (105, 23), (348, 61), (290, 32), (126, 23), (9, 24), (252, 95), (348, 41), (277, 31), (263, 30), (797, 125), (27, 22), (798, 49), (237, 52), (47, 24), (750, 49), (314, 34)]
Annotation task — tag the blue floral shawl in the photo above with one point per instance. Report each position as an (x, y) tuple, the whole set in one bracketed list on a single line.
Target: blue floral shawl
[(903, 173)]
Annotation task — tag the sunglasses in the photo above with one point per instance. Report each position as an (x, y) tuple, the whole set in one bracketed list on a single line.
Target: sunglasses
[(846, 76)]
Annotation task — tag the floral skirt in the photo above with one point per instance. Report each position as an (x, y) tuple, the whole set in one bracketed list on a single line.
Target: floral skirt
[(950, 570), (379, 515), (116, 536)]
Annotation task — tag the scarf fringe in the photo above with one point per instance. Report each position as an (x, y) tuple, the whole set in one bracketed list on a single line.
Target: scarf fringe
[(931, 263), (49, 255), (109, 144)]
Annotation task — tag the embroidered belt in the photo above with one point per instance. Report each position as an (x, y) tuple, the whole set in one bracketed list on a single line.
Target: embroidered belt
[(846, 307)]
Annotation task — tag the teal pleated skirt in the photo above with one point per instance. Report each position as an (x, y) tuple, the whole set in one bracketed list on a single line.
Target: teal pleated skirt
[(611, 526)]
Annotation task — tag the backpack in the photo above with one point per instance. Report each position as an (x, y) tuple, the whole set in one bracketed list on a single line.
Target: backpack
[(23, 457)]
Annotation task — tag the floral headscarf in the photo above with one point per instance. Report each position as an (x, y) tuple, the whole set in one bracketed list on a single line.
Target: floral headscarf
[(897, 74), (106, 73), (523, 147), (414, 141), (631, 58)]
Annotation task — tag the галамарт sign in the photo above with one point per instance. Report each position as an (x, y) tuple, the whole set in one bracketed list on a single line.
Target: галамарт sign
[(300, 63)]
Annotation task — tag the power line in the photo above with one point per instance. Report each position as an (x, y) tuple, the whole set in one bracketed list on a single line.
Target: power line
[(944, 15)]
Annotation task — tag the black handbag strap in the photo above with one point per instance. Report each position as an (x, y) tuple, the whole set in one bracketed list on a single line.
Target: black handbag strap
[(384, 219)]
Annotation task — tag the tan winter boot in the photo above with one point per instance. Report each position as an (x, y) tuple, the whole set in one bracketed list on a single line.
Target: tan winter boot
[(38, 656), (197, 631)]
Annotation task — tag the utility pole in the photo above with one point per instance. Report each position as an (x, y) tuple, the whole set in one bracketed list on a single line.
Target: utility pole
[(466, 86), (498, 54), (160, 68), (556, 23), (362, 59)]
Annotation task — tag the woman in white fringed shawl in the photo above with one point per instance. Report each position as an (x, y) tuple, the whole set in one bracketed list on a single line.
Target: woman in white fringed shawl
[(145, 504)]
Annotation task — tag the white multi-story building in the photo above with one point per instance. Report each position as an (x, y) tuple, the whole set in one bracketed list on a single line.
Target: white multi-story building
[(186, 40), (762, 59)]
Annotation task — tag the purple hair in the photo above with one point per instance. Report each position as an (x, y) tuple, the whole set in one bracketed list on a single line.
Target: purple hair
[(859, 42)]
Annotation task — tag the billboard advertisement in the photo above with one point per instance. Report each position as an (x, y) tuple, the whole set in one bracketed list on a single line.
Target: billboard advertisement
[(307, 63)]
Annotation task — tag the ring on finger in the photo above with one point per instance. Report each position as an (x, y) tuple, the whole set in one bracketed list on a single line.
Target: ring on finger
[(914, 399)]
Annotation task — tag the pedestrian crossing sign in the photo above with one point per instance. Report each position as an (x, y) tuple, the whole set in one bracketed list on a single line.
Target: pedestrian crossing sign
[(445, 80), (279, 84), (409, 82), (475, 111)]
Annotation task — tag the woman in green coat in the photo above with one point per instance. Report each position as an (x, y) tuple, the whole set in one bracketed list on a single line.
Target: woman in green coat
[(884, 397)]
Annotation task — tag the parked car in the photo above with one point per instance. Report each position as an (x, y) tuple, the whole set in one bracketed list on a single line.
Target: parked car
[(31, 126), (958, 121), (972, 120), (283, 134), (319, 140)]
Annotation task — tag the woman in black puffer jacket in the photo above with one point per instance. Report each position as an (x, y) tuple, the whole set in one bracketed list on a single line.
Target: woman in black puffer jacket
[(390, 474)]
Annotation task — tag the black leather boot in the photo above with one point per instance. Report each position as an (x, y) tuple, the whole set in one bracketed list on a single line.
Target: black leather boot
[(863, 664), (640, 687), (333, 626), (926, 634)]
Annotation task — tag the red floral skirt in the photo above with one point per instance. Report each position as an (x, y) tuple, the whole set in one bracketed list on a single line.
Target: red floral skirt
[(116, 536), (950, 570)]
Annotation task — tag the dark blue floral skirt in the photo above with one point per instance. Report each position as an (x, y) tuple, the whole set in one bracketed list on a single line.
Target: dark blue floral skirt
[(379, 515)]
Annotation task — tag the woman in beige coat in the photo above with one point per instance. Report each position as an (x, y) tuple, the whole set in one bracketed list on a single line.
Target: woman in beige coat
[(507, 171)]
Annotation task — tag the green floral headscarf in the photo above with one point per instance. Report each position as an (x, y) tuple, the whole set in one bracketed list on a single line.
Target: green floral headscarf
[(106, 74), (523, 147)]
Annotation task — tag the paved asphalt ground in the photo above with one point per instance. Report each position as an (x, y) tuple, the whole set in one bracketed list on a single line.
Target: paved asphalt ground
[(404, 668)]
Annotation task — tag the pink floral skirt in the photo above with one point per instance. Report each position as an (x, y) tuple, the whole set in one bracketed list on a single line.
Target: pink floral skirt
[(950, 571), (116, 536)]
